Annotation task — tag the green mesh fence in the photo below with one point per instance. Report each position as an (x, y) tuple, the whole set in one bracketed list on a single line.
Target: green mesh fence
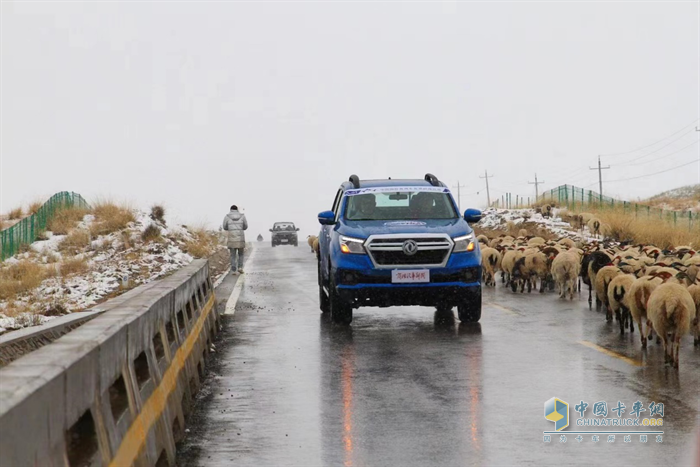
[(28, 229), (575, 198)]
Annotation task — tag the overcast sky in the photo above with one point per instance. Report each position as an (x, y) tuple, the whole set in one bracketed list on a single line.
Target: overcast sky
[(271, 105)]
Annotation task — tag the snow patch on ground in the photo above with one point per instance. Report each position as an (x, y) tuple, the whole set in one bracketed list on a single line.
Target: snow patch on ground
[(497, 219), (117, 262)]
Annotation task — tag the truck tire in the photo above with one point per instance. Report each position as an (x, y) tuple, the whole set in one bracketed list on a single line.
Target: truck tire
[(470, 310), (341, 313), (323, 301)]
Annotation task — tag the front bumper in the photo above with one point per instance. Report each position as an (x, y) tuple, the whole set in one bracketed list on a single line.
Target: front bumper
[(448, 294)]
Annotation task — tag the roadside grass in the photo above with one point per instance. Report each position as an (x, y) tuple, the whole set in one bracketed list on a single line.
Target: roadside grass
[(34, 207), (74, 265), (623, 225), (203, 245), (64, 220), (21, 277), (76, 240), (110, 217), (677, 204), (15, 213)]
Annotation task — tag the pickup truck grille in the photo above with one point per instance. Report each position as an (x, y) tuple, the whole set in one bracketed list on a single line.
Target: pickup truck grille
[(387, 251)]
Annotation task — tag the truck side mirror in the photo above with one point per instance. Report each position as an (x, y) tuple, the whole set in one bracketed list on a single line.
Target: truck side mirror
[(472, 215), (326, 218)]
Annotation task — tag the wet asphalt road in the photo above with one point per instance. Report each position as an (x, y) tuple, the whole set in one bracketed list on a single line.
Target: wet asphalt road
[(405, 386)]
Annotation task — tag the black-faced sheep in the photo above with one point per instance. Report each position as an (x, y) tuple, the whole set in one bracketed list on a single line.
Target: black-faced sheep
[(617, 299)]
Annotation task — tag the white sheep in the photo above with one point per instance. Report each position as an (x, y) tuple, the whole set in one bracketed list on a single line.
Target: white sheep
[(491, 263), (637, 298), (671, 310), (694, 291), (602, 282), (565, 269), (310, 240), (594, 226)]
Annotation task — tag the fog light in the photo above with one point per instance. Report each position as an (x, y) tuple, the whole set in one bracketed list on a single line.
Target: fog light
[(349, 278), (470, 275)]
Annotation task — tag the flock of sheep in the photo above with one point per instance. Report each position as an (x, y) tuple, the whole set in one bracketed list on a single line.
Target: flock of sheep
[(659, 290)]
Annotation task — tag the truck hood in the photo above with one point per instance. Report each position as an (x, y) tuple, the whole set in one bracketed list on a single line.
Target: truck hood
[(363, 229)]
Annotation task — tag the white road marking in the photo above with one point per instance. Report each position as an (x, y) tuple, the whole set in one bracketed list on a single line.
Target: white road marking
[(236, 293)]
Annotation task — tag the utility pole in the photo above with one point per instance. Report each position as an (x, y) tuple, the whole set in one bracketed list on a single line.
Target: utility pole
[(488, 195), (459, 195), (536, 183), (600, 176)]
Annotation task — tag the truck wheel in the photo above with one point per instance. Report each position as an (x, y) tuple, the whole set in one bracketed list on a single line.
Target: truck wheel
[(273, 244), (341, 312), (323, 301), (470, 310)]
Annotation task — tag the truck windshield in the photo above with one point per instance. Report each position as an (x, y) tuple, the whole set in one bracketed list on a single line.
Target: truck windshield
[(399, 205)]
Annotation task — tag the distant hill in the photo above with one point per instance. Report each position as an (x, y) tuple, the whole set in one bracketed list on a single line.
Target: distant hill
[(682, 198), (689, 191)]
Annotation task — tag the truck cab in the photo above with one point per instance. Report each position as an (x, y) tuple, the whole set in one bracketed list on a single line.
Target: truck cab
[(398, 243)]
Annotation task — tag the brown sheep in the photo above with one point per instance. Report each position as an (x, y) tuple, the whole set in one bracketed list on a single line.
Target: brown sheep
[(315, 246), (617, 298), (671, 310)]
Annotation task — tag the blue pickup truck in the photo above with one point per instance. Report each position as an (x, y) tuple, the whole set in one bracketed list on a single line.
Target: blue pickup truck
[(398, 242)]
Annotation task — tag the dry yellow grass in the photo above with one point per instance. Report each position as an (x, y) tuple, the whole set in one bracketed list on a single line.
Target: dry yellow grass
[(75, 241), (15, 213), (625, 225), (34, 207), (19, 278), (75, 265), (203, 245), (64, 220), (110, 217)]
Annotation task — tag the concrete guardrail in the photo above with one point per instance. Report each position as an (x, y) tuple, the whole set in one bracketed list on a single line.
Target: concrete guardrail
[(116, 390)]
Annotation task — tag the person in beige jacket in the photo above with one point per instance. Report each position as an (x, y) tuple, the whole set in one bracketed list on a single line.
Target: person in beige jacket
[(235, 224)]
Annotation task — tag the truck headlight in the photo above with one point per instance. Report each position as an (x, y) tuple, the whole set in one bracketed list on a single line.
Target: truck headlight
[(465, 243), (352, 245)]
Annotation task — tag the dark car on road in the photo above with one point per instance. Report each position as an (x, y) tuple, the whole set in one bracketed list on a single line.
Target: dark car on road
[(284, 233)]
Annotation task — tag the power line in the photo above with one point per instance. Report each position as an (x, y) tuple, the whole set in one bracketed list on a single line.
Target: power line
[(695, 161), (667, 155), (648, 145), (657, 149)]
